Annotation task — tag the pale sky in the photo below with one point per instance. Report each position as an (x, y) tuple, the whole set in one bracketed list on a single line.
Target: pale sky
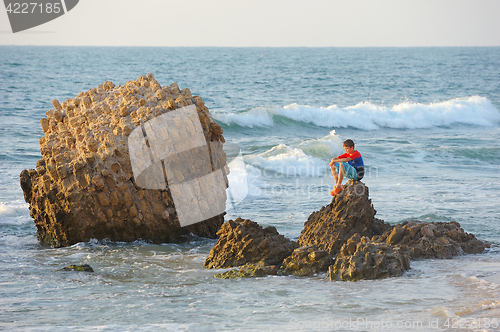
[(267, 23)]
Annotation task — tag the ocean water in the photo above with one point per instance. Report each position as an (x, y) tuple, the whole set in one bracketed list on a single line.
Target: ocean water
[(426, 120)]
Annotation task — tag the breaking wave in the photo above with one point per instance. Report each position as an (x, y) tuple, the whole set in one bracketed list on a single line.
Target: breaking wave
[(475, 110)]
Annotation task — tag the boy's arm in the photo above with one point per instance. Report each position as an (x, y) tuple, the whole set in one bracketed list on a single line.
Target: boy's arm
[(339, 160)]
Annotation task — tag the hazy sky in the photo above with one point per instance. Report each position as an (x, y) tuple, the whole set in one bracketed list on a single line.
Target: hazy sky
[(268, 23)]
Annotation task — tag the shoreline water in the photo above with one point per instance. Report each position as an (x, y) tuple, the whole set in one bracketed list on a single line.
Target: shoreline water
[(436, 174)]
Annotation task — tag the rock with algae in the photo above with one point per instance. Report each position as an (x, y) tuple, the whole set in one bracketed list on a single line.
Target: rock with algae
[(84, 186), (249, 271), (78, 268)]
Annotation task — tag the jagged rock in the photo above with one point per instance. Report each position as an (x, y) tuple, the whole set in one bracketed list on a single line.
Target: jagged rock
[(349, 213), (249, 271), (361, 258), (244, 241), (84, 186), (78, 268), (306, 261), (432, 240)]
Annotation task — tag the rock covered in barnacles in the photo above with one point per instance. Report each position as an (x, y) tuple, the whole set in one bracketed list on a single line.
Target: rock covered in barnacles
[(84, 186)]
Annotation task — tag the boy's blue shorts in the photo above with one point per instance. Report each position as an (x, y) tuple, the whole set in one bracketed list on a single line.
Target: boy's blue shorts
[(349, 171)]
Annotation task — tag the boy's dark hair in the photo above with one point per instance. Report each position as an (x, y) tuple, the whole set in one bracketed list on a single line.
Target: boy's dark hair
[(348, 143)]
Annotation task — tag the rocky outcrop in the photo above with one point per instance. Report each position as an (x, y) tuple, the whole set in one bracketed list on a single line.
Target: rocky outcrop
[(84, 186), (361, 258), (432, 240), (350, 212), (306, 261), (244, 241), (365, 247)]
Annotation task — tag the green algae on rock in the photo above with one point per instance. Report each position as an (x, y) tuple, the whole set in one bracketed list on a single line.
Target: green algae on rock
[(78, 268), (249, 271)]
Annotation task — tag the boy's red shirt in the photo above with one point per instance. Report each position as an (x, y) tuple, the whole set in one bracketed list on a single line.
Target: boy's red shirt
[(353, 156)]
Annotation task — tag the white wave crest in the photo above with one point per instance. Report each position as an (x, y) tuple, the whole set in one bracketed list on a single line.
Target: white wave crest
[(323, 148), (289, 161), (258, 117), (309, 158), (407, 115), (475, 110)]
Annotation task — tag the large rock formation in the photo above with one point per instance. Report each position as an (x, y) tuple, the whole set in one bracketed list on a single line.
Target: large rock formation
[(361, 258), (351, 212), (244, 241), (84, 186)]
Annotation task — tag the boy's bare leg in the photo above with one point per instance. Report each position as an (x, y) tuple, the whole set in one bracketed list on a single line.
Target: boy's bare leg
[(335, 176), (338, 182)]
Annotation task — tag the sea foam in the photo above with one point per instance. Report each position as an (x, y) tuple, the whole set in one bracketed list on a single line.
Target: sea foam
[(475, 110), (309, 158)]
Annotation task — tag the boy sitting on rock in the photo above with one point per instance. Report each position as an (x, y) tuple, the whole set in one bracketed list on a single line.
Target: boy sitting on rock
[(349, 164)]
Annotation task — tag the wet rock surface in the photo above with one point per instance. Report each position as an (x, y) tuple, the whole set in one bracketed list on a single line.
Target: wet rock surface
[(361, 258), (440, 240), (243, 241), (84, 188), (306, 261)]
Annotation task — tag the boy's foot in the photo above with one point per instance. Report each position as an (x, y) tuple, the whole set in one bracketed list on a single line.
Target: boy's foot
[(336, 191)]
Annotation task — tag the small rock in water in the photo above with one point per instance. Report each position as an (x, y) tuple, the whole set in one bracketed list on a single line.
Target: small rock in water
[(78, 268)]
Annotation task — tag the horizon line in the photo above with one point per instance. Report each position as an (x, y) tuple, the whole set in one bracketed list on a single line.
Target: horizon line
[(201, 46)]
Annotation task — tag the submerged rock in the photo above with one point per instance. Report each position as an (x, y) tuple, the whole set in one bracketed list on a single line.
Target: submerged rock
[(361, 258), (78, 268), (306, 261), (243, 241), (351, 212), (84, 186)]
